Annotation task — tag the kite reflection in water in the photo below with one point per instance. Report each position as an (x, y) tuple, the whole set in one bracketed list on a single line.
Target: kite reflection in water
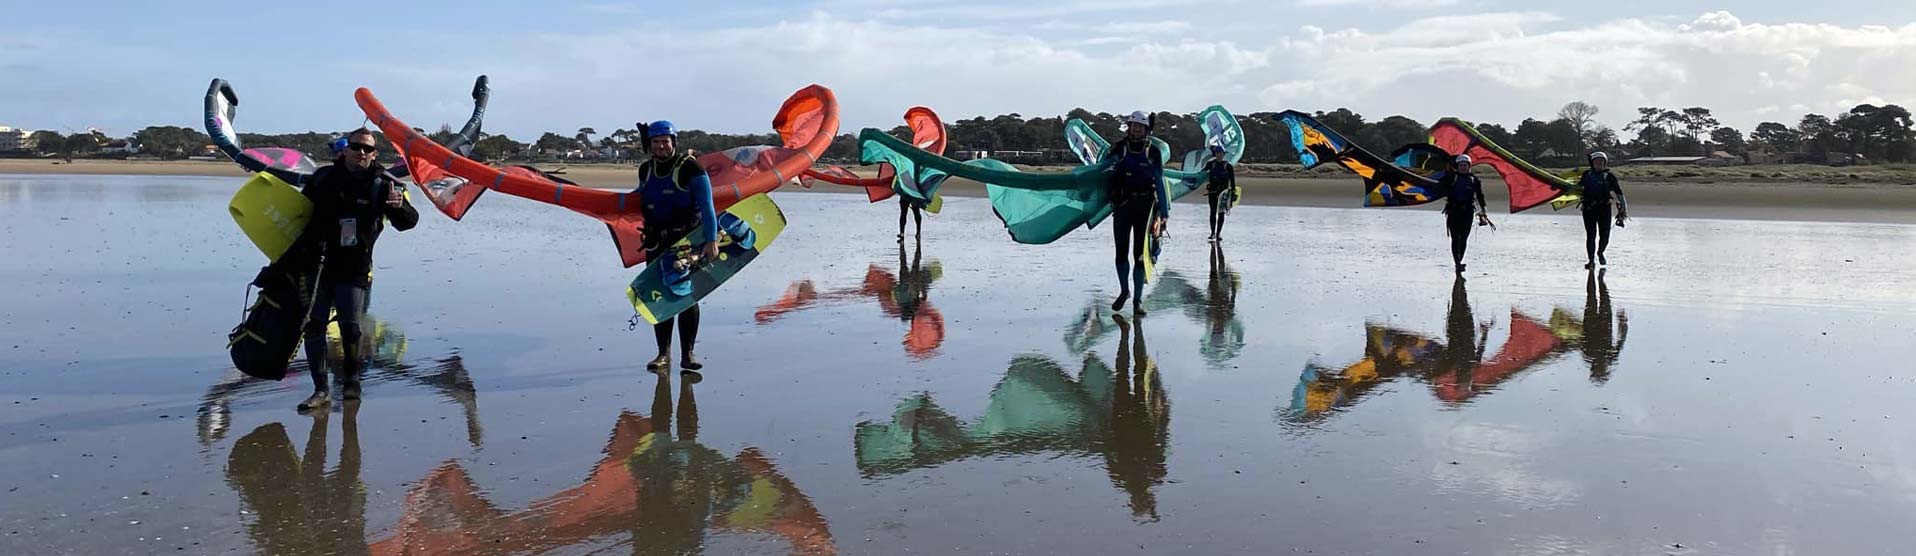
[(1117, 413), (905, 296), (386, 344), (1213, 307), (657, 491), (1455, 369)]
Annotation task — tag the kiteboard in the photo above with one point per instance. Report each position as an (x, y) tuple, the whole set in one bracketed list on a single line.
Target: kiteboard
[(678, 279), (271, 212)]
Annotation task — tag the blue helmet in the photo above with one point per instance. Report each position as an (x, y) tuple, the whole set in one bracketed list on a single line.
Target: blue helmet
[(338, 145), (661, 128)]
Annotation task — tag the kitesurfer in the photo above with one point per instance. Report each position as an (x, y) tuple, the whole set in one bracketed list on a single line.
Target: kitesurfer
[(675, 197), (1222, 184), (1139, 204), (1600, 191), (353, 198), (1464, 190)]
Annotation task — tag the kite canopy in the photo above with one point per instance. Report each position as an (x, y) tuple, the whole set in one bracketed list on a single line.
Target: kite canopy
[(222, 110), (446, 191), (806, 124), (1385, 184), (927, 133), (1040, 208), (1529, 185)]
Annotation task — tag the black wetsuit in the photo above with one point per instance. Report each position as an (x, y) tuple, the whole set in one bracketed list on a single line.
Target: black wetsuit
[(907, 207), (1223, 179), (1137, 194), (349, 212), (1600, 189), (1459, 217)]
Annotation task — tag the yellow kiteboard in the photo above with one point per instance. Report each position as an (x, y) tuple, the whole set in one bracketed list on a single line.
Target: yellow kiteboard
[(271, 212)]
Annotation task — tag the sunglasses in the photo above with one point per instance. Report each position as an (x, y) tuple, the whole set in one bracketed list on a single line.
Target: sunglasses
[(368, 149)]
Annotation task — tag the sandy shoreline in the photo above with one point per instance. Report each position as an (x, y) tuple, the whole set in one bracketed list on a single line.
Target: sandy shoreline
[(1759, 200)]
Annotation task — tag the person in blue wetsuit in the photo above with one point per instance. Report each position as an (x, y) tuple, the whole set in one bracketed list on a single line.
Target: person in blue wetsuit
[(1600, 192), (675, 197), (1139, 204), (1465, 190)]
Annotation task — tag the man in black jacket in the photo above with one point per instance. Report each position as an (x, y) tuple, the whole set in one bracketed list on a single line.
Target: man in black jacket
[(352, 200)]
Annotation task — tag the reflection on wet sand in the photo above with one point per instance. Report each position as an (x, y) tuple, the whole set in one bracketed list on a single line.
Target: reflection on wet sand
[(312, 511), (1455, 369), (1117, 413), (905, 296), (657, 491), (1592, 334), (1214, 307), (386, 344)]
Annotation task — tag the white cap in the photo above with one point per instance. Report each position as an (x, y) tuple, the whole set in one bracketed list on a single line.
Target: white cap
[(1462, 159), (1138, 117), (1599, 154)]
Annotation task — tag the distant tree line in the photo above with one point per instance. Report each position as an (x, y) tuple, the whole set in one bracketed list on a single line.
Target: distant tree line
[(1865, 133)]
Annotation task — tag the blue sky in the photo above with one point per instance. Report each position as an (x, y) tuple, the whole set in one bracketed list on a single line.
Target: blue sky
[(726, 65)]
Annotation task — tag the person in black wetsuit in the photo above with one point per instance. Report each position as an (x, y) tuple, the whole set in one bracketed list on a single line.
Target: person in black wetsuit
[(675, 195), (1600, 191), (352, 200), (1139, 204), (1465, 189), (908, 207), (1221, 185)]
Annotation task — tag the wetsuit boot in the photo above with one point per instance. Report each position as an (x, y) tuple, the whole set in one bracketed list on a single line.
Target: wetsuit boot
[(316, 364), (350, 370)]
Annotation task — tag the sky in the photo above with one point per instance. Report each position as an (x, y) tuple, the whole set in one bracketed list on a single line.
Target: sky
[(726, 66)]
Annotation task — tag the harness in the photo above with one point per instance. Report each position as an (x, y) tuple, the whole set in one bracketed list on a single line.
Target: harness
[(663, 229), (1136, 176)]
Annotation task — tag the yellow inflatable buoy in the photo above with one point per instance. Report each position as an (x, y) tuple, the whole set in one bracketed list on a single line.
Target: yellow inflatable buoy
[(272, 213)]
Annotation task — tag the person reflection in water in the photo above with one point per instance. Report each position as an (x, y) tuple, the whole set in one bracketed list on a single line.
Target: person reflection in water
[(1463, 351), (905, 296), (656, 491), (1220, 310), (386, 344), (1118, 412), (1140, 423), (1455, 367), (1598, 351), (299, 508)]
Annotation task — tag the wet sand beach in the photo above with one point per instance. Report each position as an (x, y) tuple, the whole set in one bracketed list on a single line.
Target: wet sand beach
[(1321, 384)]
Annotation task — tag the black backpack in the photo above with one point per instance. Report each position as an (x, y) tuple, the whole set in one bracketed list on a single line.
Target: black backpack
[(265, 342)]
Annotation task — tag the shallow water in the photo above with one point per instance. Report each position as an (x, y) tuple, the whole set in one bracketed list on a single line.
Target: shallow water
[(1726, 388)]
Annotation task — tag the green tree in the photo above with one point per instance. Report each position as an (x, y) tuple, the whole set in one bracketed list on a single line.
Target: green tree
[(170, 141), (554, 144), (1583, 117), (82, 144), (1497, 134), (444, 135), (1817, 133), (1729, 140), (1698, 122), (1776, 136), (493, 148), (48, 143)]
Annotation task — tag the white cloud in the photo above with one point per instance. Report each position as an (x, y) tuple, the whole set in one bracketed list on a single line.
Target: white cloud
[(966, 59)]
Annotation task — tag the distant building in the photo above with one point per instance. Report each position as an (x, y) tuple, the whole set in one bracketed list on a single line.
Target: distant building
[(120, 146), (13, 139)]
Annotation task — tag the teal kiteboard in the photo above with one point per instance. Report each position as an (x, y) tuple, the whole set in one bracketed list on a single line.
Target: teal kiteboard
[(679, 278)]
